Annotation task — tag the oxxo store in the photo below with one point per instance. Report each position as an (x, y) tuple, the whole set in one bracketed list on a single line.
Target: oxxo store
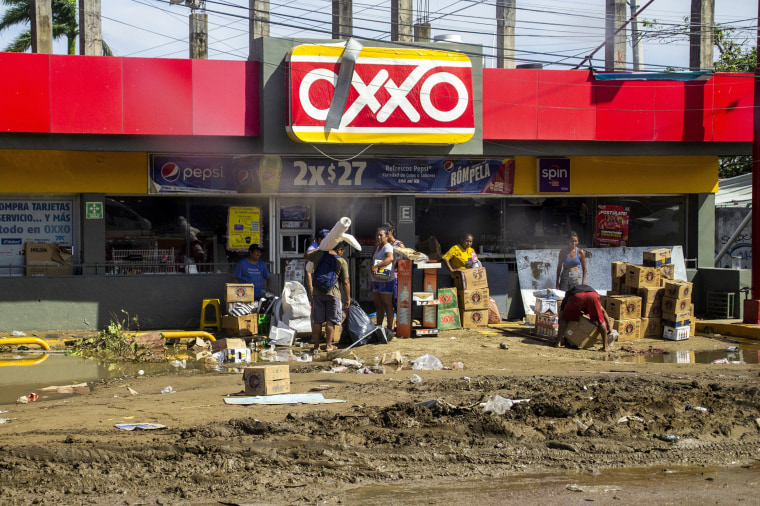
[(164, 193)]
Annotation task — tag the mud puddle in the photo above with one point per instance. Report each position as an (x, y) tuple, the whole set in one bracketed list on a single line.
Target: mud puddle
[(735, 351)]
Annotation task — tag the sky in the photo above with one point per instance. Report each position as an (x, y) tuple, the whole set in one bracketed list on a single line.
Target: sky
[(553, 32)]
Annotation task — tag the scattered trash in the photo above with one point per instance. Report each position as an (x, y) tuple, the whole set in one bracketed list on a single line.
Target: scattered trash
[(178, 363), (26, 399), (393, 358), (499, 404), (625, 419), (733, 349), (339, 368), (144, 426), (305, 358), (140, 372), (168, 390), (132, 390), (458, 365), (720, 361), (582, 426), (757, 421), (7, 420), (3, 412), (315, 398), (592, 488), (348, 362), (365, 370), (689, 407), (79, 388), (18, 333), (427, 362), (503, 346), (415, 379), (436, 404), (669, 438)]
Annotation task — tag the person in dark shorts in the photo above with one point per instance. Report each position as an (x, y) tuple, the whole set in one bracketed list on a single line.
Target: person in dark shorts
[(582, 299), (326, 305)]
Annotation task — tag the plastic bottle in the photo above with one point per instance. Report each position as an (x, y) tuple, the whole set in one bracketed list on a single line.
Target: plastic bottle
[(404, 312), (689, 407), (667, 438), (428, 312), (415, 378)]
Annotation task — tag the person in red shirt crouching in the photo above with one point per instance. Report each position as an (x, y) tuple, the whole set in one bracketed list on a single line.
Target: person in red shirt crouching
[(582, 299)]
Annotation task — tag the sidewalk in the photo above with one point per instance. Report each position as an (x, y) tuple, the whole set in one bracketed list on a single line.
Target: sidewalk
[(733, 328)]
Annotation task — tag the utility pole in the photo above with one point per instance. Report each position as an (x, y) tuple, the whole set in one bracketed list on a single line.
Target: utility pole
[(342, 19), (42, 26), (90, 31), (198, 35), (614, 49), (505, 34), (636, 45), (422, 26), (402, 17), (701, 34), (752, 306)]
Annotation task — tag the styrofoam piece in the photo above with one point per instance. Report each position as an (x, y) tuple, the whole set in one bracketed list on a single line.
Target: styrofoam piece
[(336, 234)]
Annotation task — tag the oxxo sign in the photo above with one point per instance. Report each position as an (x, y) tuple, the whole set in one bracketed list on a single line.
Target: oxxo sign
[(400, 96)]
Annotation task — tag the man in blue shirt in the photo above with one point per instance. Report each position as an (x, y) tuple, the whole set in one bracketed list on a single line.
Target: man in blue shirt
[(253, 270)]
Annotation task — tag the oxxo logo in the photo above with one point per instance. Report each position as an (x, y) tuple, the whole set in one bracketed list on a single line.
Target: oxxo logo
[(396, 95)]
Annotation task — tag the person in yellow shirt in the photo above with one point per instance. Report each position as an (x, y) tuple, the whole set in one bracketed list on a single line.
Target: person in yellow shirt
[(461, 256)]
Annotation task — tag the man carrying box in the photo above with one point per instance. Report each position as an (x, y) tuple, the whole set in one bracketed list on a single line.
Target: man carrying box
[(583, 299)]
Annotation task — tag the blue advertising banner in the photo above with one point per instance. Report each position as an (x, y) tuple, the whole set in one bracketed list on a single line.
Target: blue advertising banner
[(273, 174), (553, 175)]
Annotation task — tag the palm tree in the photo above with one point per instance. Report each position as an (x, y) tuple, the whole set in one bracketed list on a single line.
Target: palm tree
[(65, 24)]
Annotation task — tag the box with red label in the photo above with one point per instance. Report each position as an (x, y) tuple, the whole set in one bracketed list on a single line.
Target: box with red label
[(267, 379), (476, 318), (678, 289), (675, 306), (667, 271), (473, 299), (651, 311), (651, 295), (651, 327), (447, 298), (675, 333), (470, 279), (624, 307), (656, 257), (239, 292), (448, 319), (544, 305), (628, 329), (639, 276)]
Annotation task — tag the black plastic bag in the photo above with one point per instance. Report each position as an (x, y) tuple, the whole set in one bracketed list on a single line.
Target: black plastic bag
[(356, 327)]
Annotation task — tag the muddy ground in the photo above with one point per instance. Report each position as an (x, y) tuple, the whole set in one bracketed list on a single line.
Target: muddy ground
[(383, 447)]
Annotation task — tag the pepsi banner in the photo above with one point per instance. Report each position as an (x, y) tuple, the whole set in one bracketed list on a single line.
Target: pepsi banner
[(270, 174)]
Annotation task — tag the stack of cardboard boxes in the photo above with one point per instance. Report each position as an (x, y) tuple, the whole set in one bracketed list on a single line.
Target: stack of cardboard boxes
[(638, 302), (473, 296), (240, 326), (448, 309)]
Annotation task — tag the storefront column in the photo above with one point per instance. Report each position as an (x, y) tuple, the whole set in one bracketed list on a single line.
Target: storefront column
[(701, 229), (405, 220), (93, 238)]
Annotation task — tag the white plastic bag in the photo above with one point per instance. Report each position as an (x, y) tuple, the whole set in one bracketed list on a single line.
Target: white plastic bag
[(500, 405), (295, 302), (427, 362)]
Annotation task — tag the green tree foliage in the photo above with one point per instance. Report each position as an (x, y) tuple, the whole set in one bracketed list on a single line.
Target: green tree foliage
[(65, 24)]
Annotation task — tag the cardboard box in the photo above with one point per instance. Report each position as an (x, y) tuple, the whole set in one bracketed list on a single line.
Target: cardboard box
[(675, 333), (473, 299), (651, 311), (651, 327), (48, 260), (617, 285), (547, 324), (239, 292), (656, 257), (544, 305), (449, 318), (476, 318), (628, 329), (245, 325), (227, 342), (667, 271), (583, 333), (267, 379), (674, 306), (618, 270), (675, 316), (639, 276), (651, 295), (678, 289), (681, 320), (624, 307), (448, 298), (469, 279)]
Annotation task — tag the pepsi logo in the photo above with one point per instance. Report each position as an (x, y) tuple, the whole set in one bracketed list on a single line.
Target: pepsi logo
[(170, 172), (243, 176), (448, 165)]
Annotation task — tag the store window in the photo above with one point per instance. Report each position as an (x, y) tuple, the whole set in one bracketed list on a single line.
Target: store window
[(146, 235)]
